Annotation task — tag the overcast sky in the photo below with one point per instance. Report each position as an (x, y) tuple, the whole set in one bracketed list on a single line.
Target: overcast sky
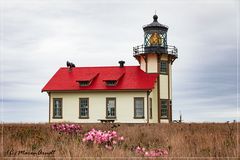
[(38, 37)]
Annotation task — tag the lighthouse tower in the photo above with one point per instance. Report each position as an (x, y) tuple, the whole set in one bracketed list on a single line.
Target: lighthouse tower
[(156, 56)]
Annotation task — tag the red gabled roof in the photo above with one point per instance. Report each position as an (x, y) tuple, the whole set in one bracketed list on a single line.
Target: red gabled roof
[(129, 78), (111, 76), (86, 76)]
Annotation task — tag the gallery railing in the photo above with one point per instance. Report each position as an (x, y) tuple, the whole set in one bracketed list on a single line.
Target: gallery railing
[(172, 50)]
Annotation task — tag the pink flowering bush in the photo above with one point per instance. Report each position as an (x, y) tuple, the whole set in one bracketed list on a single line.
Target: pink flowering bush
[(151, 153), (106, 138), (67, 128)]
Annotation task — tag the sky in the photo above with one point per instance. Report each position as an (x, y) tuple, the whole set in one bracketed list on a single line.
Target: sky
[(37, 37)]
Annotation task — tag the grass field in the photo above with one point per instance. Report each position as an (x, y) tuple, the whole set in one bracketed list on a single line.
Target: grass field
[(181, 140)]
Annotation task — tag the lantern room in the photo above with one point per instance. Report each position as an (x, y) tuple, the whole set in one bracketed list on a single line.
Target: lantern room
[(155, 41), (155, 34)]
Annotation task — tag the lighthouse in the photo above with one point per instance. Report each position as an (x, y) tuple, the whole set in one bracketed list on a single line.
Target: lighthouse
[(157, 57), (121, 93)]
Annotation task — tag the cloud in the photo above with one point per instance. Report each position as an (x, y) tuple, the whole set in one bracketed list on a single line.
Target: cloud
[(38, 37)]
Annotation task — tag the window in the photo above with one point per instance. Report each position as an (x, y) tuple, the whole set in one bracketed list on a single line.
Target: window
[(170, 104), (57, 107), (146, 39), (84, 83), (150, 101), (155, 39), (139, 107), (111, 83), (83, 108), (164, 109), (111, 108), (163, 67)]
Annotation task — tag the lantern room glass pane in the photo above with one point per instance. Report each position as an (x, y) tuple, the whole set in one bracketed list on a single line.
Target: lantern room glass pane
[(155, 39), (146, 39)]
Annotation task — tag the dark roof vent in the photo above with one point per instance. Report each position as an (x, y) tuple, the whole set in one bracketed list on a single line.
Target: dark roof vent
[(121, 63)]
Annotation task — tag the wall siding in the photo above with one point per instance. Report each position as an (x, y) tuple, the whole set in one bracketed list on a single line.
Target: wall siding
[(154, 95), (97, 106), (142, 64), (163, 86), (170, 81), (152, 63)]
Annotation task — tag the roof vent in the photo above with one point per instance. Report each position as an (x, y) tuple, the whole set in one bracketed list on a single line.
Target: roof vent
[(121, 63)]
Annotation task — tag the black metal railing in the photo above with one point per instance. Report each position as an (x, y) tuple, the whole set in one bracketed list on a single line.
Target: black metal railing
[(155, 49)]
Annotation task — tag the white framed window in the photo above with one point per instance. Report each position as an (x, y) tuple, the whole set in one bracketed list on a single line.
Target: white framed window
[(139, 107), (83, 107), (57, 107), (163, 67), (164, 108), (110, 107)]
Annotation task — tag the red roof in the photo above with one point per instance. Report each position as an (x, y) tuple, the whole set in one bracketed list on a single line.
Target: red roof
[(86, 76), (129, 78), (113, 75)]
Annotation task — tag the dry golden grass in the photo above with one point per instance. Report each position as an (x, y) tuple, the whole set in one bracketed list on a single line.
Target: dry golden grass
[(181, 140)]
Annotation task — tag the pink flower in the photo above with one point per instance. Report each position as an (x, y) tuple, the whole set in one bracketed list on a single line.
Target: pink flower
[(146, 154), (114, 133), (107, 138), (165, 152), (151, 153), (121, 138), (138, 149), (66, 128), (114, 142), (108, 147)]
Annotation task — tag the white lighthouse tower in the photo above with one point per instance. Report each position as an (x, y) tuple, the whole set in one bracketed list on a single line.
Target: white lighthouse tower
[(156, 56)]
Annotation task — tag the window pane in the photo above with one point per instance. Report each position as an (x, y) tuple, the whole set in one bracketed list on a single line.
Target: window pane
[(84, 83), (111, 83), (111, 107), (139, 112), (164, 109), (163, 67), (84, 112), (146, 39), (139, 107), (83, 107), (150, 107), (57, 108), (139, 103)]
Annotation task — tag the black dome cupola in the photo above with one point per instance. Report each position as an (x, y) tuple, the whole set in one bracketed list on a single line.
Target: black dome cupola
[(155, 25)]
